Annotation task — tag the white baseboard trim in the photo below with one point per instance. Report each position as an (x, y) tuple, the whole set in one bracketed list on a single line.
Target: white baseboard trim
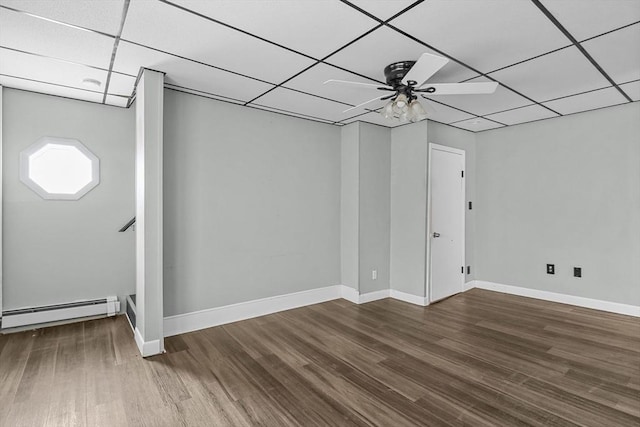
[(410, 298), (182, 323), (612, 307), (350, 294), (148, 348), (188, 322), (469, 285), (373, 296)]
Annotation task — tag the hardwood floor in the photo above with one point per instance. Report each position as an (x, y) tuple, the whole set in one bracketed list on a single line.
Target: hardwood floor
[(478, 359)]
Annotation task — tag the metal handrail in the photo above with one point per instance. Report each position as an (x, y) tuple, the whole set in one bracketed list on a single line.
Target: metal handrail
[(128, 225)]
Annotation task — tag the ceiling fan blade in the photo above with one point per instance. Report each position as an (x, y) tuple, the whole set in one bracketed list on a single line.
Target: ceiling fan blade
[(348, 83), (460, 88), (426, 66), (377, 98)]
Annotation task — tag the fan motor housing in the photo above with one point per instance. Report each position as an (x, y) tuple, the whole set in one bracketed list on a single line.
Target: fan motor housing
[(394, 73)]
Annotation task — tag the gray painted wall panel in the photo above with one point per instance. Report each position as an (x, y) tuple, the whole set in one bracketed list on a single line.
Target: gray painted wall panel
[(252, 204), (563, 191), (375, 182), (408, 208), (350, 205), (61, 251)]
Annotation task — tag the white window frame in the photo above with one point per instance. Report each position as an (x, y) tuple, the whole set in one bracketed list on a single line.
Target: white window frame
[(35, 147)]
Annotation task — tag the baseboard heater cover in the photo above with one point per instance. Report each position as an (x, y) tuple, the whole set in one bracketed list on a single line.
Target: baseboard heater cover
[(108, 306)]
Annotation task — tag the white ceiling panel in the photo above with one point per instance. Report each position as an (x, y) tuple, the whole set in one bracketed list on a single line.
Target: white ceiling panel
[(100, 15), (476, 125), (314, 28), (121, 84), (383, 9), (483, 104), (486, 34), (204, 94), (587, 101), (289, 113), (562, 73), (587, 18), (117, 101), (172, 30), (289, 100), (24, 32), (50, 89), (187, 73), (618, 53), (443, 113), (374, 118), (632, 89), (522, 115), (369, 55), (49, 70), (311, 81)]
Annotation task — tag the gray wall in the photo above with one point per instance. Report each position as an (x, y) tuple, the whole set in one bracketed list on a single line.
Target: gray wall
[(61, 251), (252, 204), (563, 191), (375, 187), (350, 206), (408, 208)]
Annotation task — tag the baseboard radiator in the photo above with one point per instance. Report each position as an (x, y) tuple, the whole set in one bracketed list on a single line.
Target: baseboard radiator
[(108, 306)]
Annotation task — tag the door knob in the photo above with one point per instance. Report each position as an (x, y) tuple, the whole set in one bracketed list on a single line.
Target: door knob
[(436, 235)]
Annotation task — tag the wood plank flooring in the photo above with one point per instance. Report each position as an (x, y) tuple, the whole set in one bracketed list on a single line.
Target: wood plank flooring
[(477, 359)]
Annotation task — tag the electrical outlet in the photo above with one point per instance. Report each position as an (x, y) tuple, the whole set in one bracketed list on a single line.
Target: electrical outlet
[(551, 269), (577, 271), (374, 274)]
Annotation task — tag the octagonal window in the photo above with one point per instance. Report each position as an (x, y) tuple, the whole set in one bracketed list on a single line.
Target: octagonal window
[(59, 168)]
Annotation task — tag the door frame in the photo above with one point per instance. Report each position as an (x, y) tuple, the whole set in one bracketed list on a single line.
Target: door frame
[(433, 147)]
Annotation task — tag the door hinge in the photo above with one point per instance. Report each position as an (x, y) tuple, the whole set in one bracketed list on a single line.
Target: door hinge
[(462, 269), (462, 173)]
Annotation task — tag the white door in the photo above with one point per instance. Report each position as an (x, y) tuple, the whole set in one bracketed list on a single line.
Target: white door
[(446, 221)]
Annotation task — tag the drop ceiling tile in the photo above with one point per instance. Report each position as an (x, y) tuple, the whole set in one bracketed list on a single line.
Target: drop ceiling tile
[(175, 31), (204, 94), (50, 89), (632, 89), (383, 9), (311, 81), (522, 115), (289, 100), (24, 32), (369, 55), (487, 34), (561, 73), (476, 125), (443, 113), (374, 118), (49, 70), (104, 15), (289, 113), (121, 84), (130, 58), (587, 101), (585, 19), (483, 104), (117, 101), (618, 53), (315, 28)]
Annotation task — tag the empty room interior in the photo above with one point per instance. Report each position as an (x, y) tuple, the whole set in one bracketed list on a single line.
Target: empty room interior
[(320, 213)]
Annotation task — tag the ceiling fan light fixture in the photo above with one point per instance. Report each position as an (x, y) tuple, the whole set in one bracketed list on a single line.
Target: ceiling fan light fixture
[(387, 110), (417, 111)]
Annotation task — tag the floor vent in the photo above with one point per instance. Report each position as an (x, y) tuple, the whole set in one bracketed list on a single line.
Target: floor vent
[(131, 310), (53, 313)]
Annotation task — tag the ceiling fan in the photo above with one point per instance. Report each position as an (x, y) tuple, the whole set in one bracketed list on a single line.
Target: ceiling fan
[(407, 80)]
